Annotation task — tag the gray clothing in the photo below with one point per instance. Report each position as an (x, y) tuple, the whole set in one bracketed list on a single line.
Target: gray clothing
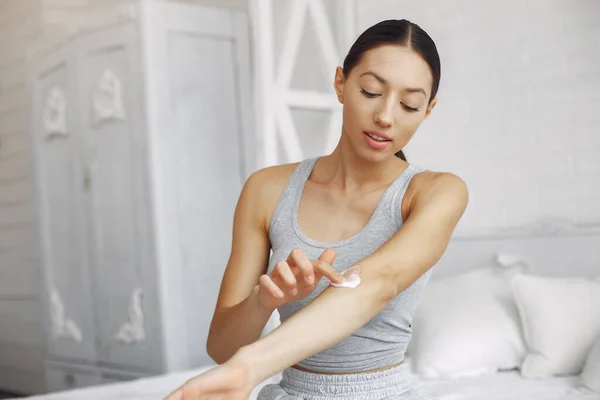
[(390, 384), (383, 340)]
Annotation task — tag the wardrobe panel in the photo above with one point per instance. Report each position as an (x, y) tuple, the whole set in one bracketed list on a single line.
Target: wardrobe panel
[(108, 79), (60, 185), (209, 169)]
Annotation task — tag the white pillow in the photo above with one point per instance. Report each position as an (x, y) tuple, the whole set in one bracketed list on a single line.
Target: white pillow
[(468, 324), (561, 319), (590, 377)]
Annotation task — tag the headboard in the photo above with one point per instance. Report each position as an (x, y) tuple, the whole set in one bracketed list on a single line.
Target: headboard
[(549, 250)]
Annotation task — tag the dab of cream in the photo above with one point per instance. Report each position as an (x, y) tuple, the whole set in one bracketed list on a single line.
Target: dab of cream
[(352, 278)]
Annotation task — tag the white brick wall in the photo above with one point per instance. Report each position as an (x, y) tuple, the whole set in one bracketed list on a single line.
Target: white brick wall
[(23, 24), (21, 348), (518, 113)]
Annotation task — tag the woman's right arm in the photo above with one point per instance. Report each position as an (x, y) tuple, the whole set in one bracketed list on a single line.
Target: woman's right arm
[(239, 317)]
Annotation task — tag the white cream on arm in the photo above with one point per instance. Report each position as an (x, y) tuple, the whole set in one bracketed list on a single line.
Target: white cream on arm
[(352, 278)]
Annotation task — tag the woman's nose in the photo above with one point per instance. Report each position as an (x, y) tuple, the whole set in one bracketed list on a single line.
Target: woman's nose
[(384, 117)]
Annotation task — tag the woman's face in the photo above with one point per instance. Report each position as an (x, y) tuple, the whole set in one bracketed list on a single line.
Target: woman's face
[(385, 98)]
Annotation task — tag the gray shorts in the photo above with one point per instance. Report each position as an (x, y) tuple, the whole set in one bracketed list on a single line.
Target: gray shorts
[(393, 383)]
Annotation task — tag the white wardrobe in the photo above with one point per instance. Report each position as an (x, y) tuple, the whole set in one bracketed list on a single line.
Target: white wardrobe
[(143, 139)]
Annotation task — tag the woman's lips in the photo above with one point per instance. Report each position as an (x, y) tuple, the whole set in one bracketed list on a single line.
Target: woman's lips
[(375, 144), (380, 134)]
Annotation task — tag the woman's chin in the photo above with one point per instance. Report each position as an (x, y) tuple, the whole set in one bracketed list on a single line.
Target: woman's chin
[(374, 156)]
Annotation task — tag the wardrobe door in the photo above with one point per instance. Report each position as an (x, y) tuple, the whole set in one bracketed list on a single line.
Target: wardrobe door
[(116, 201), (206, 110), (59, 185), (200, 73)]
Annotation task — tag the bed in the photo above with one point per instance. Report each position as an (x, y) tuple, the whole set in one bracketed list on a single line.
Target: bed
[(500, 386), (550, 251), (508, 386)]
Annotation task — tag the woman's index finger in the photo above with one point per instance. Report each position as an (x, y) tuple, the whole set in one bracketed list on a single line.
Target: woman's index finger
[(327, 270)]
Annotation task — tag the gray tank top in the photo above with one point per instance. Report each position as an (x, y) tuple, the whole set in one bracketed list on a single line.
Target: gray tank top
[(383, 340)]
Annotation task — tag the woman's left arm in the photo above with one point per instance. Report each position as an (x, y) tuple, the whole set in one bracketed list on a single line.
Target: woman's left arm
[(338, 312)]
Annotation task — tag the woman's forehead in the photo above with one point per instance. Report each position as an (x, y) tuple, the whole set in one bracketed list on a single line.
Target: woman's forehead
[(397, 65)]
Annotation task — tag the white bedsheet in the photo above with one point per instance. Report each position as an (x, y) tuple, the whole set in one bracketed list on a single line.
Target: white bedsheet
[(500, 386), (508, 386)]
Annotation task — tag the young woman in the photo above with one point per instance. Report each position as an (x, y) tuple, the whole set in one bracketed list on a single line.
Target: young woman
[(363, 206)]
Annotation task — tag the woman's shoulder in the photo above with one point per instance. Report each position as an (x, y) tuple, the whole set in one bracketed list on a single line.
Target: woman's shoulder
[(266, 185), (426, 177), (271, 179), (428, 181)]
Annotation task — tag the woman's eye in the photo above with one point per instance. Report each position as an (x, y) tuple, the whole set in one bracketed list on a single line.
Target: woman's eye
[(407, 108), (411, 109), (368, 94)]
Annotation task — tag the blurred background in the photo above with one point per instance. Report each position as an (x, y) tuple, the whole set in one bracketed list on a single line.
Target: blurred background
[(127, 129)]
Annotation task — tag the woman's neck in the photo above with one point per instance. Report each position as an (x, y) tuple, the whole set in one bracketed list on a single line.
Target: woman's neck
[(351, 173)]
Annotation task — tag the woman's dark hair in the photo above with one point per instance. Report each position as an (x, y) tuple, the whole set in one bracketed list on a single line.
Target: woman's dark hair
[(398, 32)]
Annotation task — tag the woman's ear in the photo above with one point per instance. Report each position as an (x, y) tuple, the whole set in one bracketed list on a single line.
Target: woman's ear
[(338, 84), (430, 107)]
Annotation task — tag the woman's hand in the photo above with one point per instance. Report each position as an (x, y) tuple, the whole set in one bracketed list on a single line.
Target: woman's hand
[(234, 380), (297, 277), (229, 381)]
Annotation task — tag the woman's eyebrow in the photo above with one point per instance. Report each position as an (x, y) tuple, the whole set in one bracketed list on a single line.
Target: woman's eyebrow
[(374, 75), (384, 81)]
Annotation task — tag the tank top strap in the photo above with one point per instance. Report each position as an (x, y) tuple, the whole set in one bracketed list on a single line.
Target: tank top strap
[(293, 190), (302, 173), (399, 188)]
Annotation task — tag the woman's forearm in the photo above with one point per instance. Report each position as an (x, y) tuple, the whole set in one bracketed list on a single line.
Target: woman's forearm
[(236, 327), (330, 318)]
